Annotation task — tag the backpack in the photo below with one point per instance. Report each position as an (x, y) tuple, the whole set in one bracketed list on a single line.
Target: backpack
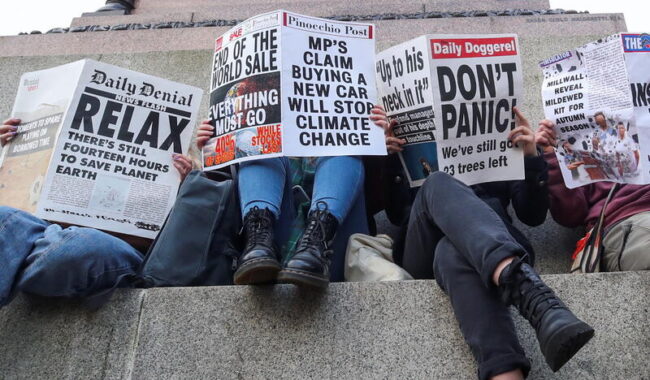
[(198, 241)]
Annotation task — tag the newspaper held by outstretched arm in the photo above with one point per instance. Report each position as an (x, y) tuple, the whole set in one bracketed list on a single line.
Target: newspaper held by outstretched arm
[(454, 99), (597, 97), (285, 84), (95, 146)]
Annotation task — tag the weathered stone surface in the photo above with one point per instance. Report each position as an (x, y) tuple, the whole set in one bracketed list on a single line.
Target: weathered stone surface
[(12, 68), (353, 330), (540, 37), (371, 330), (617, 305), (553, 244), (544, 31), (247, 8), (99, 19), (55, 339)]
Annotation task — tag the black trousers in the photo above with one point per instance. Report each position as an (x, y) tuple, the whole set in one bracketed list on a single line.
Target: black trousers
[(460, 239)]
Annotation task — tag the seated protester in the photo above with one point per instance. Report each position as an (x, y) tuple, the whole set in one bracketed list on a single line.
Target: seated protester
[(279, 243), (626, 228), (464, 237), (51, 260)]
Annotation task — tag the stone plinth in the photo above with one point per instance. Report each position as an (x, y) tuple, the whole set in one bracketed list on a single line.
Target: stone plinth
[(352, 330)]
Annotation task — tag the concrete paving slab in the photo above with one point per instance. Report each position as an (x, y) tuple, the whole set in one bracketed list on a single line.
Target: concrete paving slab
[(56, 339), (371, 330)]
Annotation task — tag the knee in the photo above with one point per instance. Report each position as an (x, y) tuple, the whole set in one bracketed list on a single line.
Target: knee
[(6, 212), (437, 179), (83, 261), (350, 165), (274, 162)]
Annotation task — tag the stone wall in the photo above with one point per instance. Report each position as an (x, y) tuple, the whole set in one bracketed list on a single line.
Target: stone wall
[(388, 330)]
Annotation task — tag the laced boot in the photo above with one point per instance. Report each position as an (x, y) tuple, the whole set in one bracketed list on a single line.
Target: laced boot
[(560, 333), (309, 266), (258, 264)]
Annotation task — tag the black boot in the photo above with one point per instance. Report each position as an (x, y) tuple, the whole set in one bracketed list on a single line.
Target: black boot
[(560, 333), (309, 266), (258, 263)]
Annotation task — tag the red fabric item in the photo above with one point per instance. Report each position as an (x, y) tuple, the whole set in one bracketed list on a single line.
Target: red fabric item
[(582, 205), (580, 245)]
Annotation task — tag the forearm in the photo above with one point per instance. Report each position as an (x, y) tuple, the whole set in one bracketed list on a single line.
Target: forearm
[(530, 196)]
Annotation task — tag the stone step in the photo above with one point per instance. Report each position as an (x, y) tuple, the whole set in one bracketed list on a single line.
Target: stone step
[(247, 8), (352, 330)]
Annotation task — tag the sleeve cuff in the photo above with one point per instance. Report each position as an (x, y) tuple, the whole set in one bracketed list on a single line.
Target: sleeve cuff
[(536, 170)]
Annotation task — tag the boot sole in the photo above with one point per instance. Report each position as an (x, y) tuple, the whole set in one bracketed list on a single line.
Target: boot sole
[(260, 271), (565, 343), (299, 278)]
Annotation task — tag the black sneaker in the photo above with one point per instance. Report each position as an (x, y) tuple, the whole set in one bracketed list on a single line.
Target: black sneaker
[(258, 264), (560, 333)]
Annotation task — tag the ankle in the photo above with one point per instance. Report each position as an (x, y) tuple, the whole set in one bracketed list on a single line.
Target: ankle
[(510, 375), (499, 269)]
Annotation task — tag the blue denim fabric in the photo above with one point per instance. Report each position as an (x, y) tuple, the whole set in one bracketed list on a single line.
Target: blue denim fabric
[(47, 260), (338, 182)]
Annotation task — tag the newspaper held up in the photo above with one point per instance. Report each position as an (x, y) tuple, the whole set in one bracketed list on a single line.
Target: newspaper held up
[(454, 96), (95, 146), (285, 84), (595, 96), (405, 91)]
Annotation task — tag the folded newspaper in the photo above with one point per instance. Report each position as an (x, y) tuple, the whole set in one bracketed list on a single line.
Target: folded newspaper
[(285, 84), (598, 95), (453, 96), (95, 144)]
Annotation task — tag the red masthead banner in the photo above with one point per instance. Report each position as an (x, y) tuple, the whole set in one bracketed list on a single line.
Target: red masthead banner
[(473, 47)]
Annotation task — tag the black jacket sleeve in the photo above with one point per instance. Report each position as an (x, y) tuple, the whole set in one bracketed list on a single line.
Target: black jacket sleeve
[(529, 197)]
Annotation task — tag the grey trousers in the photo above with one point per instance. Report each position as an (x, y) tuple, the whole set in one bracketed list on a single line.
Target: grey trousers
[(627, 244)]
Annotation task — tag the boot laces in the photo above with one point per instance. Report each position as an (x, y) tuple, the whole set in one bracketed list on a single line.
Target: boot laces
[(535, 298), (315, 230), (258, 228)]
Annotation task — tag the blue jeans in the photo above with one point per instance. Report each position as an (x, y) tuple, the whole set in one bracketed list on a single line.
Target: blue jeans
[(47, 260), (338, 182)]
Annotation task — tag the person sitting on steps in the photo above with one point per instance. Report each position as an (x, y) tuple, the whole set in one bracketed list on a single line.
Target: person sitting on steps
[(464, 238)]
